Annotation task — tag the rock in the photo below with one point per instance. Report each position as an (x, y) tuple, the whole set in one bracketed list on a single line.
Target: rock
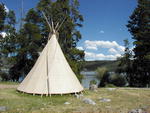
[(78, 96), (88, 101), (105, 100), (93, 87), (66, 103), (108, 107), (111, 89), (3, 108), (136, 111), (42, 109)]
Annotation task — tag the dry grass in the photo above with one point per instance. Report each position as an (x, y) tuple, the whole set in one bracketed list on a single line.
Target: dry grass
[(122, 101)]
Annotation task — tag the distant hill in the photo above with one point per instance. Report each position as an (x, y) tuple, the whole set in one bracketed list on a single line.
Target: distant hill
[(93, 65)]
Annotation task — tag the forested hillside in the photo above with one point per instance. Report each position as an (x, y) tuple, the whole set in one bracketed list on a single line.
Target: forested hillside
[(93, 65)]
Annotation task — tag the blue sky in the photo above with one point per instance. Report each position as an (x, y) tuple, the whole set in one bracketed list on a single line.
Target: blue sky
[(103, 28)]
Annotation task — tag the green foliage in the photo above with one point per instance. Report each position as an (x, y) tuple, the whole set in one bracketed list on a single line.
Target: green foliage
[(4, 76), (110, 85), (2, 20), (8, 44), (117, 80), (125, 64), (93, 82), (92, 65), (2, 16), (101, 72), (139, 27), (103, 76)]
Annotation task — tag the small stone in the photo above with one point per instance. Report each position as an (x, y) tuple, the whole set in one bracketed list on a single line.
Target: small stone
[(18, 109), (136, 111), (3, 108), (105, 100), (42, 109), (66, 103), (88, 101), (108, 107), (111, 89), (93, 87), (78, 96)]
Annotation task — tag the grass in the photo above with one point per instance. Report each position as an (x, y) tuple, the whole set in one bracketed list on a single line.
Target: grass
[(8, 83), (123, 100)]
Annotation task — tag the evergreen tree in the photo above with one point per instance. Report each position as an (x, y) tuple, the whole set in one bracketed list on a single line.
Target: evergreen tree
[(2, 16), (139, 27), (2, 21), (7, 43), (28, 43), (125, 63)]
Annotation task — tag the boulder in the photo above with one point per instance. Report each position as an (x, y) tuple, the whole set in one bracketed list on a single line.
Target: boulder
[(93, 87), (111, 89), (88, 101), (3, 108), (105, 100), (66, 103), (137, 111), (78, 96)]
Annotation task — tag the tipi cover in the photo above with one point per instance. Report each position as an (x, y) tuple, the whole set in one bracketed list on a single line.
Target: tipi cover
[(51, 73)]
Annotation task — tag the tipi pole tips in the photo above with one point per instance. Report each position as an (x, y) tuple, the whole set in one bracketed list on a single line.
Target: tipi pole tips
[(58, 27), (47, 20)]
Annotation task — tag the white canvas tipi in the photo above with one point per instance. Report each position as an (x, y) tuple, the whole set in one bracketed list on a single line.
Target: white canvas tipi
[(51, 73)]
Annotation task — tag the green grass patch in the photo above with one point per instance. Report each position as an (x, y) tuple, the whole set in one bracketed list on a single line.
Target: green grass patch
[(8, 83), (122, 100)]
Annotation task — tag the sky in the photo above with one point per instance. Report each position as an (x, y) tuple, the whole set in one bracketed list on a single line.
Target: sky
[(104, 27)]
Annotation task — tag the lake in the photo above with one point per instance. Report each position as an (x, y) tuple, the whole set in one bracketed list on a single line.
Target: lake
[(88, 76)]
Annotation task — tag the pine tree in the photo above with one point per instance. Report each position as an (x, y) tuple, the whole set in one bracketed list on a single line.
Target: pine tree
[(7, 43), (2, 16), (28, 41), (125, 63), (2, 21), (139, 27)]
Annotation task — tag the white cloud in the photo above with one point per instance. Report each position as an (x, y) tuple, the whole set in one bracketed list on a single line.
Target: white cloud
[(93, 56), (101, 31), (110, 50), (89, 55), (3, 34), (113, 51), (92, 47), (80, 48), (103, 44), (6, 9)]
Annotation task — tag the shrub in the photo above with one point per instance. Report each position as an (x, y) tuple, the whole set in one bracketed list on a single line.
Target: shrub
[(93, 82), (117, 80), (4, 76), (103, 76), (110, 85)]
